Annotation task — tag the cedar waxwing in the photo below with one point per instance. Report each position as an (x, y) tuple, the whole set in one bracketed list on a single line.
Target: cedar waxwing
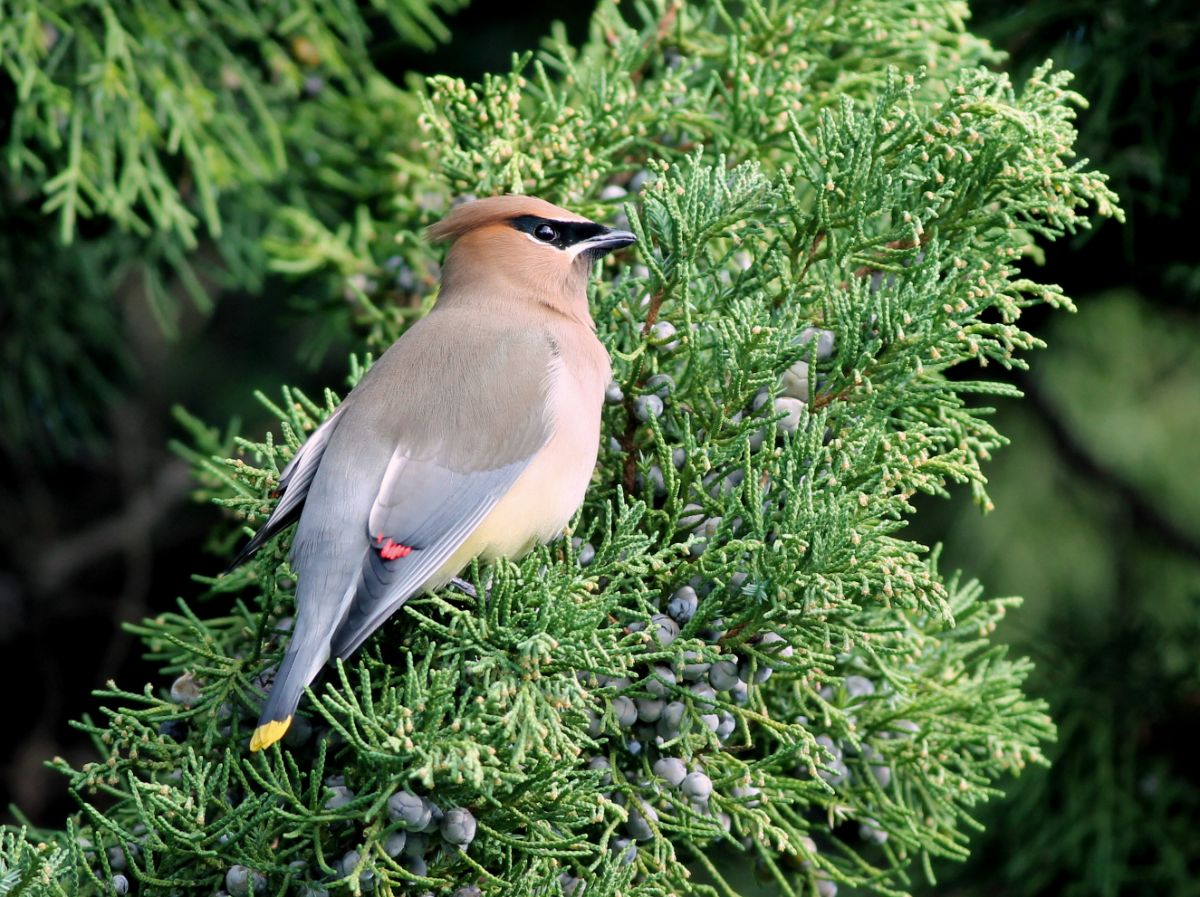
[(475, 434)]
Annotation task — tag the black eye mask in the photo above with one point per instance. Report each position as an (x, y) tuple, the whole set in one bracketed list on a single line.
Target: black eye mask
[(559, 234)]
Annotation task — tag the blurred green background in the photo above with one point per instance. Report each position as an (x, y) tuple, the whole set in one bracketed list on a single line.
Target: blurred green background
[(1097, 520)]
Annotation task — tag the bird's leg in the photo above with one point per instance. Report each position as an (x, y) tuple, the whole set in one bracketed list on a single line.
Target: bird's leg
[(463, 586)]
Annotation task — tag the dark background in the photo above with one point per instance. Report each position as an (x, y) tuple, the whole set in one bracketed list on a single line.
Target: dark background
[(1097, 499)]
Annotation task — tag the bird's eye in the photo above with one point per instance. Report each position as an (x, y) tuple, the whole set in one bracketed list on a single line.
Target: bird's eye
[(545, 233)]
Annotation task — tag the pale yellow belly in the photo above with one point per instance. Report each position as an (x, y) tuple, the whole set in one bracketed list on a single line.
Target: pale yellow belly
[(540, 503)]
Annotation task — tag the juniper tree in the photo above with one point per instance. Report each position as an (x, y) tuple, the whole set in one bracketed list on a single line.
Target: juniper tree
[(172, 135), (735, 657)]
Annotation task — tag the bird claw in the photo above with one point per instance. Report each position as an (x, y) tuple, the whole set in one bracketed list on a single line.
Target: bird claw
[(463, 586)]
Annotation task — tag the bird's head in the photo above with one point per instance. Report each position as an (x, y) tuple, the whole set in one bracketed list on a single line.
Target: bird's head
[(521, 248)]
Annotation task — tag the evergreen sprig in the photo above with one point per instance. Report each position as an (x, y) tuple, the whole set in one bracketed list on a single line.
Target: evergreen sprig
[(115, 100), (149, 147), (739, 652)]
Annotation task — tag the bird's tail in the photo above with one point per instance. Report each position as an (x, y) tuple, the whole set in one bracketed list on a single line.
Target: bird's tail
[(306, 654)]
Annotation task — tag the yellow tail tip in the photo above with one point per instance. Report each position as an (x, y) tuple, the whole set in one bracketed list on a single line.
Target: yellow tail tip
[(269, 733)]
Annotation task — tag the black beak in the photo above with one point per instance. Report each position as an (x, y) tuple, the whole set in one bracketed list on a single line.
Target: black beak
[(606, 241)]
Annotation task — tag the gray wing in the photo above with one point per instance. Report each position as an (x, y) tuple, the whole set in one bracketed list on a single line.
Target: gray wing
[(294, 483), (416, 525), (484, 421)]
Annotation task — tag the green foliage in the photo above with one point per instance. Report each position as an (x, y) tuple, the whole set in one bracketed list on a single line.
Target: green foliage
[(149, 135), (32, 868), (149, 114), (565, 122), (1099, 471), (1134, 68), (1112, 613), (783, 170)]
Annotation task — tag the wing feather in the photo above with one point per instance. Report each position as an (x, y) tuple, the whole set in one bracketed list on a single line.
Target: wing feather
[(294, 484), (463, 500)]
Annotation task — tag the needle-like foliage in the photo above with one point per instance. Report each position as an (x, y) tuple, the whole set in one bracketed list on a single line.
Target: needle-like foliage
[(736, 661), (148, 147)]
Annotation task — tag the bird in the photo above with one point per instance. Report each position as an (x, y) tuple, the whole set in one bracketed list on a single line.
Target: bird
[(474, 435)]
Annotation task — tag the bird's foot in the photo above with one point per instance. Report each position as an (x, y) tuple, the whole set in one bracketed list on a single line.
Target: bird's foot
[(463, 586)]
